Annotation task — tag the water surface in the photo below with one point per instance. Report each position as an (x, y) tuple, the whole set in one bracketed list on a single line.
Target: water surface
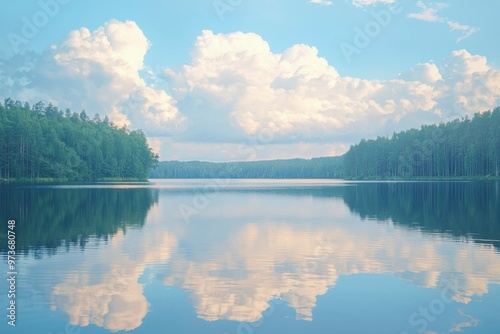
[(255, 256)]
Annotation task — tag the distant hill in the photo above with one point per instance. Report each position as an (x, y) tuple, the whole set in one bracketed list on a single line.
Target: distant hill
[(326, 167)]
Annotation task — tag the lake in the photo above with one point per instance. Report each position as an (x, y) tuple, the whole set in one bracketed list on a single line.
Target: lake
[(253, 256)]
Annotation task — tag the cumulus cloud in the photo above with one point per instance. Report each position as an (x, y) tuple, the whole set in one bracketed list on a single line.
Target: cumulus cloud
[(98, 71), (470, 85), (235, 79), (426, 73), (464, 84), (429, 13), (295, 93), (236, 90)]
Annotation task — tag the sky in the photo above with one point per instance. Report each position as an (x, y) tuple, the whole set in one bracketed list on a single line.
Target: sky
[(238, 80)]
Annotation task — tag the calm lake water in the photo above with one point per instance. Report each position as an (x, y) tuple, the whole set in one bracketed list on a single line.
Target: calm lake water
[(254, 256)]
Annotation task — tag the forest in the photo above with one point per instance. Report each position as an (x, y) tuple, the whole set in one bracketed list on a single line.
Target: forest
[(469, 147), (320, 168), (463, 148), (43, 142)]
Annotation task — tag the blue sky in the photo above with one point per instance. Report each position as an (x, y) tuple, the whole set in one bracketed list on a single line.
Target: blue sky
[(302, 78)]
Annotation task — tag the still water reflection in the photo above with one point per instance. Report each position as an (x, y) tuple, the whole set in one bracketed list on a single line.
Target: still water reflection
[(256, 257)]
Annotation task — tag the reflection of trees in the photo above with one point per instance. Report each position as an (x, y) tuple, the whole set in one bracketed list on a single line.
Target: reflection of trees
[(457, 208), (47, 218), (296, 191)]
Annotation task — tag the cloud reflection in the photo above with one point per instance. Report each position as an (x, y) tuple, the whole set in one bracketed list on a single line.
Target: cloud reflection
[(240, 255), (105, 290), (274, 260)]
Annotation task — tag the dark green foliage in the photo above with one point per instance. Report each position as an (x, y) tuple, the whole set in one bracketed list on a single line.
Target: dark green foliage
[(461, 148), (462, 209), (44, 142), (320, 168), (48, 218)]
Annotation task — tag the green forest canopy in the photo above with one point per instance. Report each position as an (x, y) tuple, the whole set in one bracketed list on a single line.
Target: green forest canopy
[(461, 148), (45, 142), (321, 168)]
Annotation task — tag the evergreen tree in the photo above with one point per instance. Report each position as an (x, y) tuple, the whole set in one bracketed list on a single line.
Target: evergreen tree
[(44, 142), (461, 148)]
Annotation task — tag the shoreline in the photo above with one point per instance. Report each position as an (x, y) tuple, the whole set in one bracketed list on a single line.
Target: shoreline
[(46, 180), (139, 180)]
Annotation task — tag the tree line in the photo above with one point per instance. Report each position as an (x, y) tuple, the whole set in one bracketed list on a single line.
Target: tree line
[(467, 147), (42, 141), (322, 168), (462, 148)]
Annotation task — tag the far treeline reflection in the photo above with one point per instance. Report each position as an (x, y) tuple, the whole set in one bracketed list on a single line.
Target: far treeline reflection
[(51, 218), (457, 208), (48, 218)]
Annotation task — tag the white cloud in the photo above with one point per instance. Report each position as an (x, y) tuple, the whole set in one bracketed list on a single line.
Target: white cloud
[(151, 109), (426, 73), (120, 46), (295, 93), (470, 84), (429, 14), (155, 144), (235, 85), (235, 90), (465, 29), (321, 2), (97, 71), (363, 3), (462, 64)]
